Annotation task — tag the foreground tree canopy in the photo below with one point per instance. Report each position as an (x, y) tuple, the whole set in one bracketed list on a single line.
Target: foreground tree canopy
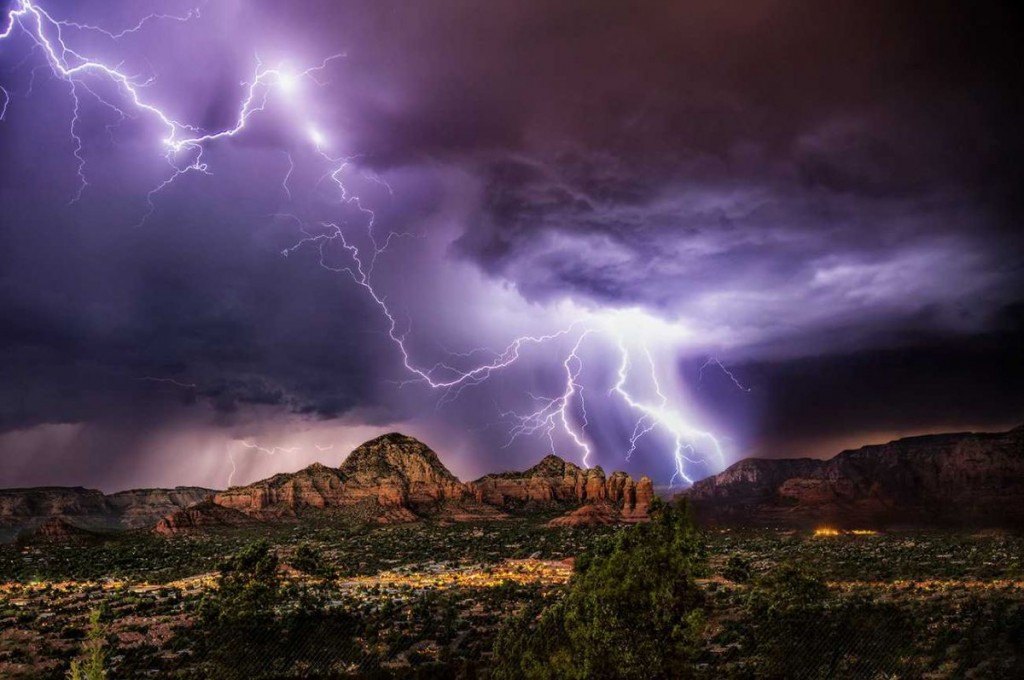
[(633, 609), (255, 624)]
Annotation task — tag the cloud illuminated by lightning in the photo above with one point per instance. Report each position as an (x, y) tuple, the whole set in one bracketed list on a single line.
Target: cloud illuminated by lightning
[(272, 451), (183, 146), (555, 412)]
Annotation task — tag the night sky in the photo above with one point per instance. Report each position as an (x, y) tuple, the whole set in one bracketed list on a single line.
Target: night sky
[(719, 230)]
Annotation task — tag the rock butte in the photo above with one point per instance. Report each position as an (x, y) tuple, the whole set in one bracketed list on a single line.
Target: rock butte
[(395, 478), (965, 479)]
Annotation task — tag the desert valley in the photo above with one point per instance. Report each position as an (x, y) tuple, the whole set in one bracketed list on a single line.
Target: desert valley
[(425, 571)]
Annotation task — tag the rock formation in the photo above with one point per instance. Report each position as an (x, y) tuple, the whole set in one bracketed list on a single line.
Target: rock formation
[(590, 514), (25, 509), (286, 494), (58, 530), (202, 516), (137, 508), (555, 483), (400, 471), (965, 479), (393, 478)]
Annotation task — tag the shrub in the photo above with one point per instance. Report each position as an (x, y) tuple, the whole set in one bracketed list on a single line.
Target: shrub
[(632, 610)]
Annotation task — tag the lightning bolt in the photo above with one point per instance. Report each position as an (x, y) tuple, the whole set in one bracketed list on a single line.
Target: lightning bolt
[(660, 414), (171, 381), (555, 412), (255, 447), (184, 146), (287, 176), (188, 16), (712, 361)]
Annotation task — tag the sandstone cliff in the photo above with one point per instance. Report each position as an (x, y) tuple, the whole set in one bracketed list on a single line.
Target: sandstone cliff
[(23, 510), (556, 483), (203, 516), (965, 479), (393, 478), (400, 471), (286, 494)]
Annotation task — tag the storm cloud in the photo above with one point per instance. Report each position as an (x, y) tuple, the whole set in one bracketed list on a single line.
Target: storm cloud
[(826, 196)]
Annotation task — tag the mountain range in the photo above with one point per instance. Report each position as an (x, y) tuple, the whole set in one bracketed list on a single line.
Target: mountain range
[(393, 478), (964, 479), (955, 480), (89, 509)]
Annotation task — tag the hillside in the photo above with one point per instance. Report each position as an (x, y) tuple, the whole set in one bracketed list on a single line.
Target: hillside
[(23, 510), (961, 479)]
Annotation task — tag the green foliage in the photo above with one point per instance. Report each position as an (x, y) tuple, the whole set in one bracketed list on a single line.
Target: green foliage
[(308, 560), (255, 624), (962, 618), (92, 665), (249, 585), (798, 628), (737, 569), (633, 609), (990, 643)]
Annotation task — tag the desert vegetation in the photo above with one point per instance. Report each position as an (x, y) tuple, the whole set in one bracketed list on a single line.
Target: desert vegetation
[(516, 599)]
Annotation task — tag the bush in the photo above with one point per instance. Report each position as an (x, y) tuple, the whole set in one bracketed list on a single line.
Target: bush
[(737, 569), (632, 610), (800, 629), (256, 625), (308, 560)]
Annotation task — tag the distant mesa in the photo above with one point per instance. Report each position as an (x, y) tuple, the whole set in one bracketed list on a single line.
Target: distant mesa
[(555, 483), (949, 480), (390, 479), (590, 514)]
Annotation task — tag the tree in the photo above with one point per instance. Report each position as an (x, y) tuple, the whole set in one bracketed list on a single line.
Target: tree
[(308, 560), (92, 665), (632, 610), (255, 624), (798, 628)]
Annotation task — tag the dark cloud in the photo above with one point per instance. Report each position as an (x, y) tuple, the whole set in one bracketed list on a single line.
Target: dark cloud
[(826, 194)]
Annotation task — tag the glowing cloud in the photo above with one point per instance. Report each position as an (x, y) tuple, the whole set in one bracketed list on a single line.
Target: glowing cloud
[(629, 333)]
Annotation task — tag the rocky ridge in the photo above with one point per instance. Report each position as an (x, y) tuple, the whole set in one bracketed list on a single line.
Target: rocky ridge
[(554, 482), (962, 479), (22, 510), (58, 530), (392, 478), (202, 516), (396, 478)]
